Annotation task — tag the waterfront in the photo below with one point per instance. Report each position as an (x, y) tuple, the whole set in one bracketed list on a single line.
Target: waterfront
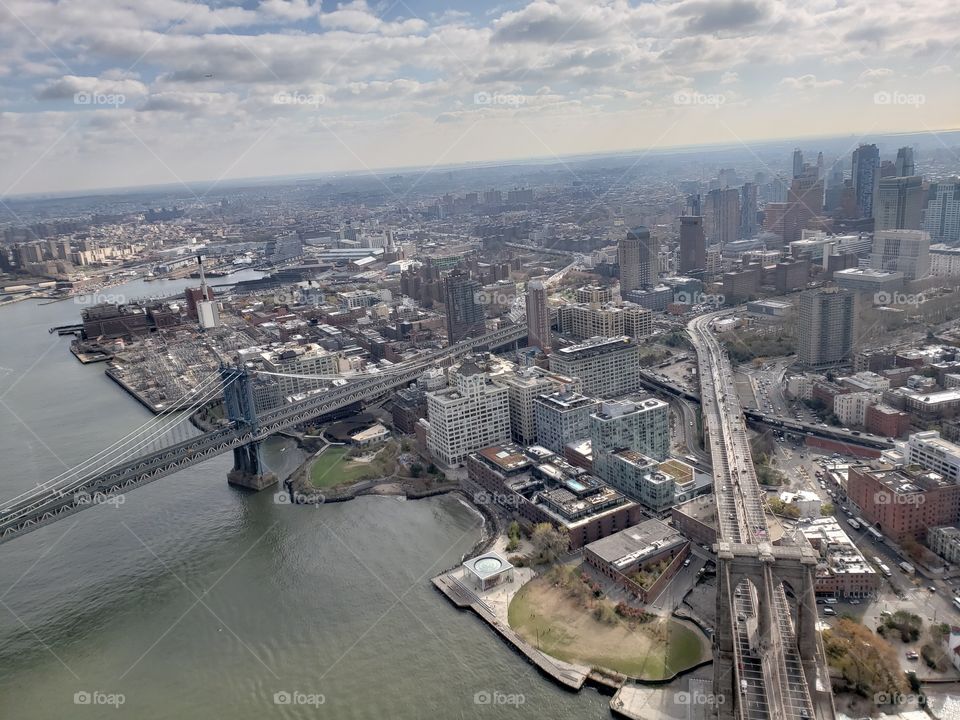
[(195, 600)]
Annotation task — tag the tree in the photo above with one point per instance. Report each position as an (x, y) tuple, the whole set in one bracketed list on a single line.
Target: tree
[(868, 663), (826, 509), (549, 543)]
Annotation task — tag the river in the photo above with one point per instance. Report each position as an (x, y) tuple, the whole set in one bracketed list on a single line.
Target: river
[(194, 600)]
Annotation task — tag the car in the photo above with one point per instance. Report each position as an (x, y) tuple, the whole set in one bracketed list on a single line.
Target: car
[(830, 601), (932, 588), (912, 655), (854, 601), (829, 611), (686, 563)]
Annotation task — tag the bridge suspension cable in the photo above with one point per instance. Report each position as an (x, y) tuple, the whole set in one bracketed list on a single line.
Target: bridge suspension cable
[(202, 394)]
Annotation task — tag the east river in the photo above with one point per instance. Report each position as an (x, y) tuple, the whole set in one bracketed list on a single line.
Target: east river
[(195, 600)]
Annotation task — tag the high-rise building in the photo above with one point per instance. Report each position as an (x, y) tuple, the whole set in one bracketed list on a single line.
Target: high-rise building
[(627, 438), (748, 211), (904, 165), (826, 329), (628, 258), (797, 163), (465, 316), (804, 203), (538, 316), (693, 245), (866, 177), (638, 254), (833, 192), (905, 251), (722, 215), (942, 218), (608, 367), (471, 415), (898, 204), (561, 418), (605, 320), (523, 387)]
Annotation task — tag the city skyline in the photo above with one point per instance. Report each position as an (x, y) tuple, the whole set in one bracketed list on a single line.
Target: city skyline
[(183, 92)]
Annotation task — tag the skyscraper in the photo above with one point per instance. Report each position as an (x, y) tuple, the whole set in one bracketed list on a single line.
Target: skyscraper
[(538, 316), (723, 216), (905, 166), (866, 176), (639, 255), (797, 163), (826, 330), (804, 202), (693, 245), (465, 316), (899, 203), (628, 258), (942, 219), (748, 211)]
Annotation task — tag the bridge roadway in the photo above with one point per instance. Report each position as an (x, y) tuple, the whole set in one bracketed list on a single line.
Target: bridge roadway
[(78, 493), (768, 672)]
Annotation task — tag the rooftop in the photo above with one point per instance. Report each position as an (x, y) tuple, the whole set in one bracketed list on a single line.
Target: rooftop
[(651, 537)]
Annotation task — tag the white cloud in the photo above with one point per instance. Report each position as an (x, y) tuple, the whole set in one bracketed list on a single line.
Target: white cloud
[(808, 82)]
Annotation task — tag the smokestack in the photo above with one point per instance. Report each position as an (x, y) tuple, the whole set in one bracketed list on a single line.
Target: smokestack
[(203, 281)]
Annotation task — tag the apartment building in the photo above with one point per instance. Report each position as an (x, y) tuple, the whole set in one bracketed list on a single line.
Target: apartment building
[(608, 367), (562, 417), (473, 414)]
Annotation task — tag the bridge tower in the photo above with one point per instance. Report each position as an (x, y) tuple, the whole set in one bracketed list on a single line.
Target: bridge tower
[(249, 470)]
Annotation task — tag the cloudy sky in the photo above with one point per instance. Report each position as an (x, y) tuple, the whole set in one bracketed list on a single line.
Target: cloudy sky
[(116, 93)]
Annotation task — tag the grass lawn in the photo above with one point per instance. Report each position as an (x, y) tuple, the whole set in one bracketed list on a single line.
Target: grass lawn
[(332, 468), (546, 615)]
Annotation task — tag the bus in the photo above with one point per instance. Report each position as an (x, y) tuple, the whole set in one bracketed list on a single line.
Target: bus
[(875, 535), (907, 568), (880, 564), (853, 523)]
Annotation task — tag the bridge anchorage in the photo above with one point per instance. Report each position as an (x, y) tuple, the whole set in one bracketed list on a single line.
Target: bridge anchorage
[(249, 470)]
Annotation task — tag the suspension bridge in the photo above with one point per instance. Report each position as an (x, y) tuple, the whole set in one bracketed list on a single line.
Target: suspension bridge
[(165, 444)]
